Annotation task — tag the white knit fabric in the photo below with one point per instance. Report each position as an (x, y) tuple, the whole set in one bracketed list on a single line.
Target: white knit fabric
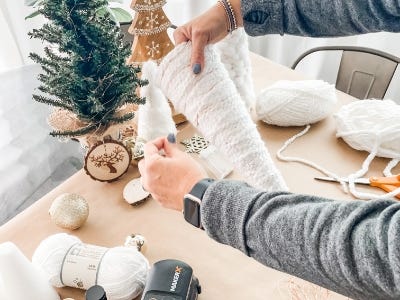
[(211, 103), (373, 126), (235, 55), (296, 103), (366, 125), (155, 118), (369, 125)]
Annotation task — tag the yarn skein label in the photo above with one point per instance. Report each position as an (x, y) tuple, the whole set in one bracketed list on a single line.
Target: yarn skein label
[(81, 265)]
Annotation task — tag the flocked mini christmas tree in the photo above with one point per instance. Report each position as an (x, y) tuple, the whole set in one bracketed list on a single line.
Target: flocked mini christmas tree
[(85, 76), (151, 40)]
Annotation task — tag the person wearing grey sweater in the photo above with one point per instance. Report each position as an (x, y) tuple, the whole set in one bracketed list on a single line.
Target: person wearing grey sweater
[(319, 18), (351, 247), (316, 18)]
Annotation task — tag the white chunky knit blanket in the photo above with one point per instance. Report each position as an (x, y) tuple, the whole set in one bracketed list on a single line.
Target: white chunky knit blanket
[(234, 52), (212, 104)]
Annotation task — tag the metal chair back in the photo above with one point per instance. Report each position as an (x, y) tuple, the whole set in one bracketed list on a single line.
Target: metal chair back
[(363, 72)]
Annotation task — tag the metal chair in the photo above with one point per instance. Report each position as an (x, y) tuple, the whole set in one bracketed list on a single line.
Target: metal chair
[(363, 72)]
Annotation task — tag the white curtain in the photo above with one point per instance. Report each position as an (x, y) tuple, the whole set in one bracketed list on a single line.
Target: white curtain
[(16, 45)]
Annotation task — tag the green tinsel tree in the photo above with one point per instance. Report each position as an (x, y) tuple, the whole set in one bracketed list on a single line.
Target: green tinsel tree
[(85, 70)]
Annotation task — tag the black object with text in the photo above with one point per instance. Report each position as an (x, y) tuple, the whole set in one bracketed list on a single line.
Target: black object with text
[(171, 279)]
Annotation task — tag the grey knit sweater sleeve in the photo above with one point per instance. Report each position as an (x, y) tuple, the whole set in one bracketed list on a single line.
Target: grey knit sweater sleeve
[(351, 247), (320, 17)]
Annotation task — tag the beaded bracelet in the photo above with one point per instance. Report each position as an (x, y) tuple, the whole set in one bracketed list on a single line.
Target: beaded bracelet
[(230, 13)]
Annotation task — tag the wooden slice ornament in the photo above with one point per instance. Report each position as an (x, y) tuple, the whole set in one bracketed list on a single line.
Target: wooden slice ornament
[(134, 193), (107, 160)]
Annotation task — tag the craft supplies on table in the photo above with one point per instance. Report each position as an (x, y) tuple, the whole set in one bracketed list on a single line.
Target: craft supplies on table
[(66, 261), (388, 184)]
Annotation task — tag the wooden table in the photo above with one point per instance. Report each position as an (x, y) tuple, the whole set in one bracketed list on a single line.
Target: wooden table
[(224, 273)]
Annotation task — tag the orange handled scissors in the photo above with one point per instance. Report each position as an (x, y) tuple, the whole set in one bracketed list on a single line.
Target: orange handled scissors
[(388, 184)]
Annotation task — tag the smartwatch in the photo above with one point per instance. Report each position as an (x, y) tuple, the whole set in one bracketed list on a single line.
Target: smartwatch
[(192, 201)]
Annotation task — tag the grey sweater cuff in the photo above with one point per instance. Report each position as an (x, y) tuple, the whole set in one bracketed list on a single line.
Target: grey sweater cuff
[(262, 17), (225, 220), (226, 228)]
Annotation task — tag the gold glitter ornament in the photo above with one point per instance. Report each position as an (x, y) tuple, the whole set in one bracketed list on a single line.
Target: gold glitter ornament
[(69, 211)]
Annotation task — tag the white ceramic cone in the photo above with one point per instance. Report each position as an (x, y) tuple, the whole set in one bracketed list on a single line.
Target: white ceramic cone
[(155, 118), (19, 279)]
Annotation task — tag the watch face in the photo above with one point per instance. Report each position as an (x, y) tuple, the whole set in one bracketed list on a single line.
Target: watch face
[(191, 211)]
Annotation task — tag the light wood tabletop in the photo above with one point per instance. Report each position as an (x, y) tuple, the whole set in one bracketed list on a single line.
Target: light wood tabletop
[(224, 273)]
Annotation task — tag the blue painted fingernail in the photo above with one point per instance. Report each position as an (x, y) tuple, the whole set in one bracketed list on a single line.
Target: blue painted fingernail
[(196, 68), (171, 138)]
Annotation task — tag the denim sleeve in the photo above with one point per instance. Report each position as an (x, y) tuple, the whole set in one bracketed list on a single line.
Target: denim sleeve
[(320, 18), (350, 247)]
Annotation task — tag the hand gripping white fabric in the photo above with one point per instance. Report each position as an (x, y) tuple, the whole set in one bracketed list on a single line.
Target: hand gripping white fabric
[(212, 104)]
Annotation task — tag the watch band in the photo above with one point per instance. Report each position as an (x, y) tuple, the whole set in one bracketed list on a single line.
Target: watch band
[(200, 188), (192, 201)]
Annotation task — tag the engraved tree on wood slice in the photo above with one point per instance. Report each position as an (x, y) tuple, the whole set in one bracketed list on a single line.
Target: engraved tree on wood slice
[(108, 160)]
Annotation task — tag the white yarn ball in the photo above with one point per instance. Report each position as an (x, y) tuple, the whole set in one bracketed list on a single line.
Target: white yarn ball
[(296, 103), (366, 124), (122, 272)]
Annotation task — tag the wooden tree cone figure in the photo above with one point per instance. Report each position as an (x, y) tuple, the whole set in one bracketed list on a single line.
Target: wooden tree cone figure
[(149, 27), (151, 40)]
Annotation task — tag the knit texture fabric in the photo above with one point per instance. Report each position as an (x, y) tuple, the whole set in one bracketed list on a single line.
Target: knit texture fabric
[(235, 55), (296, 103), (155, 118), (319, 18), (351, 247), (212, 104), (371, 125)]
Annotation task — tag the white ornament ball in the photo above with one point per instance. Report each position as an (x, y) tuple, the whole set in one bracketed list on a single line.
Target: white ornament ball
[(69, 211), (296, 103), (137, 241)]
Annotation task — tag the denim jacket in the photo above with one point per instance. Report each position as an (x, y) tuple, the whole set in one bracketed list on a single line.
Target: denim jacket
[(319, 18)]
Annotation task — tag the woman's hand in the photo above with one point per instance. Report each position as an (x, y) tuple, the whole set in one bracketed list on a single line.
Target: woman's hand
[(208, 28), (170, 175)]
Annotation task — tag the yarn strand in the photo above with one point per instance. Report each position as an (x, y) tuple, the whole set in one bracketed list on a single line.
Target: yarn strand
[(305, 161), (388, 170)]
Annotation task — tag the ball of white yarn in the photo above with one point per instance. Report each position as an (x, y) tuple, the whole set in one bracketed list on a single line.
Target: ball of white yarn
[(122, 272), (371, 123), (296, 103)]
